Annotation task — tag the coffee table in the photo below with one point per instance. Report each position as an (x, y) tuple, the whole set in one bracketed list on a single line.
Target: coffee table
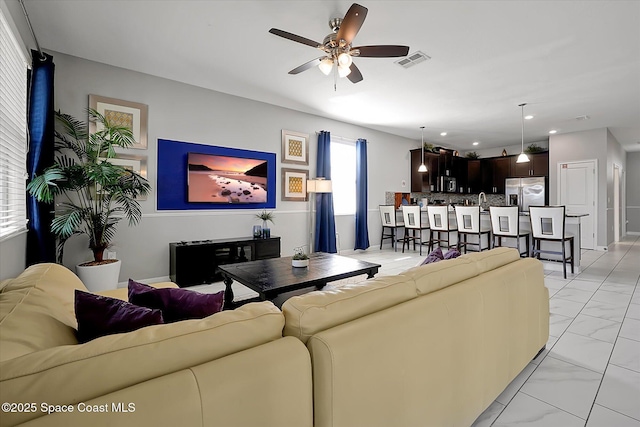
[(273, 277)]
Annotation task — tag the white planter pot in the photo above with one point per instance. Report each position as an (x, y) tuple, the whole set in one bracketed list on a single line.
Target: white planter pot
[(300, 262), (100, 277)]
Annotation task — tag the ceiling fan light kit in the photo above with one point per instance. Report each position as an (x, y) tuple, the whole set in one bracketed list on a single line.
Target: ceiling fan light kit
[(337, 46)]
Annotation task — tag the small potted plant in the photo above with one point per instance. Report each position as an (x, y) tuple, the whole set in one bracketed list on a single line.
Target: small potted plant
[(472, 155), (300, 259), (265, 217)]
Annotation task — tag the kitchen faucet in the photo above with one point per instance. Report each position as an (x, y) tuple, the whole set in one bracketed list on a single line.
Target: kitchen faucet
[(480, 196)]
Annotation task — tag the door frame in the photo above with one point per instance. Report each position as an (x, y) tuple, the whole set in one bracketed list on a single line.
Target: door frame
[(622, 202), (595, 195)]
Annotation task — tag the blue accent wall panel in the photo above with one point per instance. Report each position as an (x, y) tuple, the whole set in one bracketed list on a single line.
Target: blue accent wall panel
[(172, 175)]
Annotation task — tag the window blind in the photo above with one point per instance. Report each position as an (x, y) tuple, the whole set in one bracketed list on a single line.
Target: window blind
[(13, 133)]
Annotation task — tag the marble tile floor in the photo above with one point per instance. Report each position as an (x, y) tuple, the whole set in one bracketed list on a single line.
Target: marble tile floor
[(589, 374)]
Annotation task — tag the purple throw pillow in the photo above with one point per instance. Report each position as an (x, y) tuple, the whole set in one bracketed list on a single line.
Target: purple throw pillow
[(98, 316), (452, 253), (176, 304), (434, 256)]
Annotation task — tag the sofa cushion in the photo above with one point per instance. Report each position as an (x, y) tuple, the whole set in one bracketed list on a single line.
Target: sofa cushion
[(490, 260), (316, 311), (30, 322), (432, 277), (176, 304), (99, 316), (55, 280)]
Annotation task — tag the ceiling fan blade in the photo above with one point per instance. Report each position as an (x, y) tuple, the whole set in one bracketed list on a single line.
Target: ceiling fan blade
[(306, 66), (352, 22), (382, 51), (355, 75), (294, 37)]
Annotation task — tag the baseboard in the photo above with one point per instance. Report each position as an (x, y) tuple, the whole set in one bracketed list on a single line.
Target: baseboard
[(602, 248)]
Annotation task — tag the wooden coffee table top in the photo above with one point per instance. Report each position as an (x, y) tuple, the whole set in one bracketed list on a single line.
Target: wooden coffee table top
[(271, 277)]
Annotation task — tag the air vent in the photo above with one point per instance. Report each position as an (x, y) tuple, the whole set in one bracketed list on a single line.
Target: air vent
[(413, 59), (585, 117)]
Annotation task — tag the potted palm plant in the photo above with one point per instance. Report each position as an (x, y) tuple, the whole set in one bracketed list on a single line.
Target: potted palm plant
[(92, 194)]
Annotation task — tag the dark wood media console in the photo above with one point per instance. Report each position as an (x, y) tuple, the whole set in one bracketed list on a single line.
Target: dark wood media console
[(196, 262)]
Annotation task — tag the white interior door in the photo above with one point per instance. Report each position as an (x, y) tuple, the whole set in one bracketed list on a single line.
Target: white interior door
[(577, 193)]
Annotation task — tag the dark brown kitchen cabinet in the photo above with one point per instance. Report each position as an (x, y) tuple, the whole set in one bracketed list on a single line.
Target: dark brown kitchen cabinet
[(474, 177), (460, 172), (416, 177), (495, 171), (538, 165), (421, 182)]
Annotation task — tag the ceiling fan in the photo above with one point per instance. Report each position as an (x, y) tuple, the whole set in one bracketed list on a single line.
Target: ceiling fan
[(337, 46)]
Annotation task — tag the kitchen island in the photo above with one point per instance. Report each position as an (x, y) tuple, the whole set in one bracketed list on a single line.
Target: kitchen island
[(550, 261)]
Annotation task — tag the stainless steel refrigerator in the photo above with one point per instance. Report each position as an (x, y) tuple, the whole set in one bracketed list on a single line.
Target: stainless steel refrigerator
[(525, 192)]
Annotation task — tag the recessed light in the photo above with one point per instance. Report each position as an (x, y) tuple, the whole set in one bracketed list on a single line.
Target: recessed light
[(553, 131), (443, 134), (476, 143), (529, 117)]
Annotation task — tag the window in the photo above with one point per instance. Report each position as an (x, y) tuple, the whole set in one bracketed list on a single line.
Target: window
[(343, 177), (13, 133)]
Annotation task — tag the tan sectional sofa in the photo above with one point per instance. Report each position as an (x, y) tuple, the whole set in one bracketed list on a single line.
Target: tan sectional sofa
[(433, 346), (231, 369)]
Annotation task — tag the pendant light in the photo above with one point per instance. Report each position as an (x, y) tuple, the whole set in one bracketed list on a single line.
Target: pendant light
[(522, 158), (422, 167)]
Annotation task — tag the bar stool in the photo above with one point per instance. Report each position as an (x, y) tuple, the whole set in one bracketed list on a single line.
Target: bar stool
[(439, 223), (388, 218), (468, 219), (505, 222), (548, 225), (413, 221)]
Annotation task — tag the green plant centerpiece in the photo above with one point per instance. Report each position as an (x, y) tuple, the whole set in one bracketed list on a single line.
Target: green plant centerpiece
[(472, 155), (92, 194), (300, 259), (533, 148)]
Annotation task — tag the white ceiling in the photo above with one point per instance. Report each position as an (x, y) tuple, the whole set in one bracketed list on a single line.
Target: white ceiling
[(564, 58)]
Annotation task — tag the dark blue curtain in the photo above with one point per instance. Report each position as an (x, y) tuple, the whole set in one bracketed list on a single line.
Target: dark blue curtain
[(325, 240), (362, 230), (41, 243)]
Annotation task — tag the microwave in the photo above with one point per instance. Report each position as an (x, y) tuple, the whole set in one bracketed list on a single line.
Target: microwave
[(448, 184)]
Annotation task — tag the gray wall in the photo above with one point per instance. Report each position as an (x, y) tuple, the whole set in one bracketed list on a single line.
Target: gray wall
[(586, 145), (187, 113), (632, 174)]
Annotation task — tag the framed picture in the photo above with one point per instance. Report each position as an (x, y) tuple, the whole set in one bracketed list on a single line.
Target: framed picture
[(125, 113), (133, 163), (295, 147), (294, 184)]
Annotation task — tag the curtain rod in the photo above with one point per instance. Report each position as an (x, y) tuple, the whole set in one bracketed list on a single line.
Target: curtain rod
[(341, 137), (33, 34)]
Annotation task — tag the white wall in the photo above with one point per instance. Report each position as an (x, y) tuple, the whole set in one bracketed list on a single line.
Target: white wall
[(187, 113), (632, 174), (585, 145)]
